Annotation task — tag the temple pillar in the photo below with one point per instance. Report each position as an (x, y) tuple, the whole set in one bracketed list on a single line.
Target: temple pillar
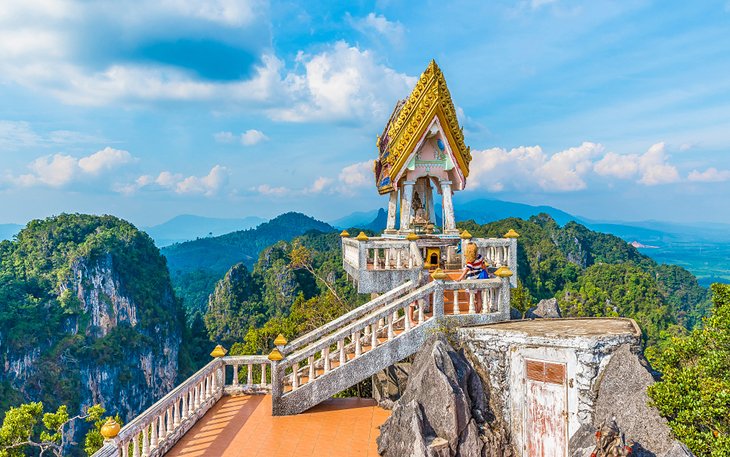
[(429, 202), (405, 206), (392, 207), (448, 205)]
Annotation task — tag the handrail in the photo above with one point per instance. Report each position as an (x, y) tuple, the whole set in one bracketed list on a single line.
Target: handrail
[(473, 284), (352, 315), (133, 427), (352, 327)]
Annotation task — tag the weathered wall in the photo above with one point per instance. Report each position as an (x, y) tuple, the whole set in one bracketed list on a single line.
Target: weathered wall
[(503, 354)]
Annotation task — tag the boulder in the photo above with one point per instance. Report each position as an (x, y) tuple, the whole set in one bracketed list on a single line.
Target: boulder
[(444, 410), (621, 397), (389, 384), (515, 314), (545, 309)]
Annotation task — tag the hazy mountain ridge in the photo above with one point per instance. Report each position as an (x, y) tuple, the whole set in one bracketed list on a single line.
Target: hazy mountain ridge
[(195, 266), (188, 227)]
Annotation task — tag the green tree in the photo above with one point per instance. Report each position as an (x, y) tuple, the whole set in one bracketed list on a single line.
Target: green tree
[(694, 393), (27, 427)]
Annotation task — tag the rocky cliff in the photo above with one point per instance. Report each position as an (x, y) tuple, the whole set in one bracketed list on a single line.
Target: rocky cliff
[(88, 315)]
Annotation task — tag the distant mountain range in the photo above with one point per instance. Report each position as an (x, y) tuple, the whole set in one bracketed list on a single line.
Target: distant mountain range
[(188, 227), (483, 211), (219, 253)]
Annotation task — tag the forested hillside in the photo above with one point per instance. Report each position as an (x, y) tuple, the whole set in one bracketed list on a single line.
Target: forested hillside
[(87, 315), (596, 274), (195, 266)]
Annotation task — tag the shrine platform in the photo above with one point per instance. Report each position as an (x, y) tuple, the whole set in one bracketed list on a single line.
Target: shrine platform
[(243, 426)]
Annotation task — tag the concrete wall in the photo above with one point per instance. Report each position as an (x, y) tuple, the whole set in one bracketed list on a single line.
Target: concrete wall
[(504, 351)]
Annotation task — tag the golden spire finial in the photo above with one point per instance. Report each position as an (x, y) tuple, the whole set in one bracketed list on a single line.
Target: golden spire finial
[(219, 351), (110, 429)]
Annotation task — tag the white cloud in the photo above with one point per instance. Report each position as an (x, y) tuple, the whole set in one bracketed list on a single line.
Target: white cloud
[(247, 138), (207, 185), (54, 171), (651, 168), (623, 166), (46, 48), (20, 134), (356, 176), (224, 137), (59, 170), (252, 137), (266, 189), (105, 160), (528, 167), (320, 185), (564, 170), (710, 175), (341, 83), (654, 167), (15, 135), (393, 31)]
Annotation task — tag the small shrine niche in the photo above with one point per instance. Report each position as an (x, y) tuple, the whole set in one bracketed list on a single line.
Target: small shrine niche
[(422, 160)]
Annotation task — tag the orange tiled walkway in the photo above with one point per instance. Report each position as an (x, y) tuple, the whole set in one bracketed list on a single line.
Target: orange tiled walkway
[(243, 426)]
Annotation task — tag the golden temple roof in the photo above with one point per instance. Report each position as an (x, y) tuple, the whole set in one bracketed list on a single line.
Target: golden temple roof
[(410, 119)]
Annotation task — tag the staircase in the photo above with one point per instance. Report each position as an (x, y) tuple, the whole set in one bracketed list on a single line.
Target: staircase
[(378, 334)]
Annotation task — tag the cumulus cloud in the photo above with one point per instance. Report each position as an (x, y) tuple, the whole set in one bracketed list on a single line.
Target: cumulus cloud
[(712, 174), (651, 168), (357, 175), (341, 83), (178, 183), (252, 137), (529, 168), (46, 47), (104, 160), (59, 170)]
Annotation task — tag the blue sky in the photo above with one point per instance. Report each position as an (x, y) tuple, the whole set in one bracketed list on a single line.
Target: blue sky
[(227, 108)]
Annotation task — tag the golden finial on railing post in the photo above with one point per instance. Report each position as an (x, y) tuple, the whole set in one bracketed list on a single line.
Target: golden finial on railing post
[(280, 341), (503, 272), (511, 233), (344, 234), (110, 429), (439, 274), (275, 355), (412, 236), (362, 237), (219, 351), (465, 235)]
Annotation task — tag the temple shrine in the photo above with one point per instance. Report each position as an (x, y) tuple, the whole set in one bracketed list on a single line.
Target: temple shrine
[(282, 403)]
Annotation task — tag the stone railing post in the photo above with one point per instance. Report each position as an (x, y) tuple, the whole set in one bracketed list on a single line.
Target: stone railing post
[(504, 291), (438, 293), (512, 236), (277, 374)]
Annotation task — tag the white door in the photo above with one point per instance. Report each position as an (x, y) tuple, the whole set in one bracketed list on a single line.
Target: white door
[(546, 431)]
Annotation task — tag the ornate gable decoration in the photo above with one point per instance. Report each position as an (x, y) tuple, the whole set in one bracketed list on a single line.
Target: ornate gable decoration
[(409, 122)]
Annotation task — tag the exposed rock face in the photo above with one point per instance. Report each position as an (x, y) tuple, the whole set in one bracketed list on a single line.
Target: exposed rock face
[(546, 309), (390, 384), (621, 396), (444, 411), (106, 327)]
